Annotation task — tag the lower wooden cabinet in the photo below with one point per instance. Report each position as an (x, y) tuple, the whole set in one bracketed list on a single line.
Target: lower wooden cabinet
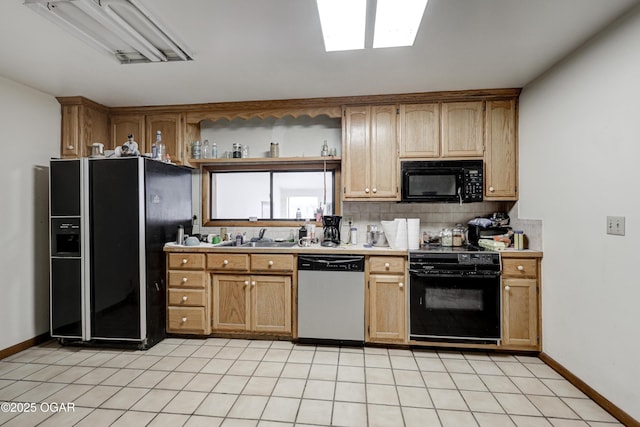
[(188, 309), (253, 303), (387, 308), (387, 299), (521, 303)]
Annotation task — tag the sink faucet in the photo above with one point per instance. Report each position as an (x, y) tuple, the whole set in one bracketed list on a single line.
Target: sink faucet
[(261, 233)]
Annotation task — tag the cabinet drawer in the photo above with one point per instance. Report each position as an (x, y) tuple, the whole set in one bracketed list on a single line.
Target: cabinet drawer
[(271, 262), (187, 279), (228, 262), (187, 297), (384, 264), (523, 267), (186, 319), (186, 261)]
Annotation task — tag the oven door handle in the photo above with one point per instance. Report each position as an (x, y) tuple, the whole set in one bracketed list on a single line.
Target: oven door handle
[(415, 273)]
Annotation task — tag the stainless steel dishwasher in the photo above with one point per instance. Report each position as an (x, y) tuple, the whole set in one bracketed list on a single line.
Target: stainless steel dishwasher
[(331, 299)]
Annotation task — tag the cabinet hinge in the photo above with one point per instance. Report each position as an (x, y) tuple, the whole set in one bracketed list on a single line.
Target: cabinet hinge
[(369, 330), (344, 190), (368, 283), (397, 110)]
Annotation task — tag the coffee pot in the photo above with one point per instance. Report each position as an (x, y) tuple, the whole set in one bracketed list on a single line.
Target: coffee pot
[(331, 230)]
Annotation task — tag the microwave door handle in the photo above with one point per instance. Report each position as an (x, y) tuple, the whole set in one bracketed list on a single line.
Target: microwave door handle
[(460, 195)]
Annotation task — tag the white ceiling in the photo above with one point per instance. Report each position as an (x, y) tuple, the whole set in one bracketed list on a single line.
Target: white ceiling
[(273, 49)]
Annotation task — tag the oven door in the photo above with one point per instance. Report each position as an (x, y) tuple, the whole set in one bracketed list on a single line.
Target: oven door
[(455, 308), (432, 185)]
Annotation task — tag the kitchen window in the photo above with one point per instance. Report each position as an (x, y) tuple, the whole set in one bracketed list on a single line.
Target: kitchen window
[(257, 195)]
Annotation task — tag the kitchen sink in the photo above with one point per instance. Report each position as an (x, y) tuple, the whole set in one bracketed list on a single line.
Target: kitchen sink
[(268, 244)]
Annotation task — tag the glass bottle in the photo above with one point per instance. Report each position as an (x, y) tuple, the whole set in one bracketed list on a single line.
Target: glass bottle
[(205, 149), (214, 150), (161, 149)]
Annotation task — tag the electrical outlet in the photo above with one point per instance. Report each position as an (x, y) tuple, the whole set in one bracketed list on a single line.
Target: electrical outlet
[(615, 225)]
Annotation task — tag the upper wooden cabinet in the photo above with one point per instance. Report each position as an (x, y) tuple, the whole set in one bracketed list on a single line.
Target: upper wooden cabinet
[(501, 155), (462, 129), (121, 126), (171, 126), (83, 123), (370, 153), (419, 130), (144, 129)]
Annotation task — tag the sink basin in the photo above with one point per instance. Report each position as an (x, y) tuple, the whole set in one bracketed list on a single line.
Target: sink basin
[(268, 244)]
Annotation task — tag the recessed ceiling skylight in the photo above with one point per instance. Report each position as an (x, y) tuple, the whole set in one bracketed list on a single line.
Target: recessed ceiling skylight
[(397, 22), (343, 23)]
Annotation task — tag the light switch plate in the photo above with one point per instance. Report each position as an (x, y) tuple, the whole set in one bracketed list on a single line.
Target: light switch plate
[(615, 225)]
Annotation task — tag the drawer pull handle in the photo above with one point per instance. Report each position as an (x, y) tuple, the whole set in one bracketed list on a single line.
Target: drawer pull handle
[(520, 268), (491, 189), (506, 288), (184, 320), (387, 265), (401, 285), (184, 298), (185, 280), (375, 190), (184, 260), (225, 262), (270, 263), (253, 283), (246, 282), (366, 190)]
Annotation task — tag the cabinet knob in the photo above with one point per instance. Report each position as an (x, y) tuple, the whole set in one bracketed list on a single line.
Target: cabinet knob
[(184, 280), (184, 298), (225, 262), (184, 320), (375, 190), (70, 147), (184, 260), (270, 263), (253, 283), (387, 265), (246, 282), (401, 285), (491, 189), (506, 288), (366, 190), (520, 267)]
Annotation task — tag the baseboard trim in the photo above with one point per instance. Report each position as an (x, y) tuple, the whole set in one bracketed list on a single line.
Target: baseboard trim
[(616, 412), (24, 345)]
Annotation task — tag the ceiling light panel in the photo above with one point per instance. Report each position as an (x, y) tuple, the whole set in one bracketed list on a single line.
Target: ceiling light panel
[(343, 23), (123, 28), (397, 22)]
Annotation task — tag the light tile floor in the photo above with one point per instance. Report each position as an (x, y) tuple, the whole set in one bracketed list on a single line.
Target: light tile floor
[(221, 382)]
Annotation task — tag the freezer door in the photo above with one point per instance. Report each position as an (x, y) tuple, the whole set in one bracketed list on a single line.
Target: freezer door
[(66, 298)]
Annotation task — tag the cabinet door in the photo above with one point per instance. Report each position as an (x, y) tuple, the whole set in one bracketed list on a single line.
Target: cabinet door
[(387, 308), (462, 129), (355, 152), (271, 304), (501, 156), (231, 298), (520, 313), (170, 125), (123, 126), (419, 131), (384, 152), (71, 145)]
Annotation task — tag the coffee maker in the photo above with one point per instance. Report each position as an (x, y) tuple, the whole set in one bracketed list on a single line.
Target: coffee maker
[(331, 228)]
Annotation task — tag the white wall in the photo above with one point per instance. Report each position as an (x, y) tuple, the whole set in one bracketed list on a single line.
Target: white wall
[(29, 135), (579, 154)]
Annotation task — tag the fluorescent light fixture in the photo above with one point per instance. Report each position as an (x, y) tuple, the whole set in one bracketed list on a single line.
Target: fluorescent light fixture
[(123, 28), (397, 22), (343, 23)]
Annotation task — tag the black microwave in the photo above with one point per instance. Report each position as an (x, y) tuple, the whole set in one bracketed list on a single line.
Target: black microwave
[(445, 181)]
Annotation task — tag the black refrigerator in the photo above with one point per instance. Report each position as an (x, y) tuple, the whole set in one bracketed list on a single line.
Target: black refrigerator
[(110, 218)]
